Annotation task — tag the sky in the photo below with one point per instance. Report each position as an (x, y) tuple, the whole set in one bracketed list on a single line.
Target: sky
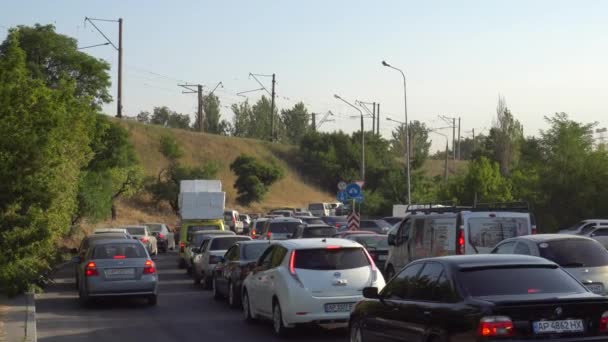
[(458, 56)]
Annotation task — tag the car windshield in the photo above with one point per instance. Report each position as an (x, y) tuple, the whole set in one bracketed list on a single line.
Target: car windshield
[(283, 227), (224, 243), (372, 241), (393, 220), (155, 227), (587, 229), (119, 251), (487, 232), (253, 251), (314, 232), (243, 217), (574, 253), (136, 230), (576, 226), (529, 280), (330, 258)]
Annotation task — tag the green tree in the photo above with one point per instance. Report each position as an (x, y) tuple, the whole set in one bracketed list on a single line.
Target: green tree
[(211, 106), (419, 142), (143, 117), (53, 57), (254, 178), (296, 121), (241, 124), (507, 135), (254, 121)]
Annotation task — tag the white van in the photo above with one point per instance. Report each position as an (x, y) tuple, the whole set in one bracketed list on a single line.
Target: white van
[(320, 209), (452, 231)]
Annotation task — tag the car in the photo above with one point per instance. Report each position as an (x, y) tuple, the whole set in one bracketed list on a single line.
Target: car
[(345, 233), (585, 226), (257, 227), (311, 220), (376, 245), (392, 220), (306, 231), (187, 228), (302, 213), (109, 230), (88, 241), (280, 228), (339, 222), (480, 298), (599, 234), (233, 268), (320, 209), (376, 226), (162, 235), (196, 242), (209, 255), (439, 231), (306, 281), (116, 267), (584, 258), (142, 233), (246, 222), (282, 212), (232, 220)]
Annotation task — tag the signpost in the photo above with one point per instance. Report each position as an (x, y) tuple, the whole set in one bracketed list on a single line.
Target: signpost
[(353, 221)]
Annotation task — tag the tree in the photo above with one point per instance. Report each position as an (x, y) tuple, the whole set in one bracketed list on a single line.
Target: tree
[(143, 117), (225, 128), (177, 120), (53, 57), (419, 143), (296, 121), (254, 178), (163, 116), (507, 135), (254, 122), (242, 119), (211, 107)]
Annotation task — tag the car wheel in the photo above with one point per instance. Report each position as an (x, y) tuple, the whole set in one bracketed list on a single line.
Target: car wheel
[(83, 297), (216, 293), (233, 300), (249, 317), (152, 300), (390, 272), (277, 320), (355, 333)]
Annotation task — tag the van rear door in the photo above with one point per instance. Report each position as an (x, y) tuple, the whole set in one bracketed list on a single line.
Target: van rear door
[(485, 229)]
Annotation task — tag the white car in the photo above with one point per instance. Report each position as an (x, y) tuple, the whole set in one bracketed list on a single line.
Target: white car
[(307, 281), (211, 252)]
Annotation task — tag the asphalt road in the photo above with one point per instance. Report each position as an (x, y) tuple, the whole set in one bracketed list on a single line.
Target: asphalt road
[(184, 313)]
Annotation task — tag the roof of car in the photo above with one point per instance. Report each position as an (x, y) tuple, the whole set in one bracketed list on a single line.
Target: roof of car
[(246, 238), (255, 242), (308, 217), (285, 219), (317, 243), (213, 232), (134, 226), (318, 225), (490, 260), (538, 238), (111, 241), (107, 236)]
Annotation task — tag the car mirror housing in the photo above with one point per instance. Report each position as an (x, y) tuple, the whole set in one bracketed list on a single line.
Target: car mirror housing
[(371, 293)]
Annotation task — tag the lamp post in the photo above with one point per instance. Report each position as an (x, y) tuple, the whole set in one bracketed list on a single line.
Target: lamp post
[(362, 136), (407, 135)]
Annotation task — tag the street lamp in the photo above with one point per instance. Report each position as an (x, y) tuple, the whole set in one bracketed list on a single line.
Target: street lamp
[(362, 136), (407, 135)]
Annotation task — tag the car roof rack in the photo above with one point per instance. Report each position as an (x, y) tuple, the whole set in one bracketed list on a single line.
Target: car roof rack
[(496, 206)]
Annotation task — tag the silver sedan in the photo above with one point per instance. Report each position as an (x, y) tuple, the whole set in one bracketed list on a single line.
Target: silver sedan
[(116, 268)]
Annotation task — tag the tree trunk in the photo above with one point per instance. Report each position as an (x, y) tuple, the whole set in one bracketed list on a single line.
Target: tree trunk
[(114, 212)]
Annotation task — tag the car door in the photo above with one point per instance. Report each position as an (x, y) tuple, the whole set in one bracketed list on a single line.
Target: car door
[(270, 278), (419, 303), (388, 321), (257, 278), (226, 269)]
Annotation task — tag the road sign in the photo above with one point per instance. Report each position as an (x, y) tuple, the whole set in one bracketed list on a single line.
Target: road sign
[(342, 196), (360, 183), (342, 186), (359, 198), (353, 221), (353, 190)]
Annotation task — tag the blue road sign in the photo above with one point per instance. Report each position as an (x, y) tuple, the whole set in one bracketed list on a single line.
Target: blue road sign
[(342, 196), (353, 190), (359, 198)]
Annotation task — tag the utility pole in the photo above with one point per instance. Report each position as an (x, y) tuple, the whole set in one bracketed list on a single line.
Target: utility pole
[(378, 117), (374, 118), (458, 138), (474, 143), (454, 137), (272, 109), (199, 111), (314, 121), (445, 169)]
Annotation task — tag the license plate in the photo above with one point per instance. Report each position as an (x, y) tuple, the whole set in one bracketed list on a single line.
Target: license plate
[(338, 307), (563, 326), (120, 272), (381, 257), (596, 288)]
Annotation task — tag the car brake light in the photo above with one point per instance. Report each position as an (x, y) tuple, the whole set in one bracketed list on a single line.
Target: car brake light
[(119, 257), (333, 247), (373, 266), (292, 268), (91, 270), (268, 235), (534, 231), (161, 235), (495, 326), (604, 322), (182, 246), (144, 240), (460, 248), (149, 267)]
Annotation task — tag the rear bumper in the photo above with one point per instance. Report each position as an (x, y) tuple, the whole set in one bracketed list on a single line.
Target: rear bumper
[(148, 284), (300, 309)]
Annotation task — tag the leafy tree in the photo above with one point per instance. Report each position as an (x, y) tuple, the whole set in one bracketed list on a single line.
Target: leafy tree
[(53, 57), (211, 107), (254, 178), (242, 119), (143, 117), (506, 135), (225, 128), (177, 120), (160, 116), (254, 121), (419, 143), (296, 121)]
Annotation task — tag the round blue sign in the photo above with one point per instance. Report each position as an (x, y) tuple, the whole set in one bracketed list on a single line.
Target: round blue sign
[(353, 190)]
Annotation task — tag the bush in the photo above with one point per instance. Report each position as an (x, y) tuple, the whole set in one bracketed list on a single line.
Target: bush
[(254, 178)]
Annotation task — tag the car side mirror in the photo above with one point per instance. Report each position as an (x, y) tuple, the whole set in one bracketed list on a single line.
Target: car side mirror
[(371, 293), (76, 260)]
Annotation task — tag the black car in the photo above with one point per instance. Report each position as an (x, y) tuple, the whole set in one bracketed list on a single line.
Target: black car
[(231, 271), (375, 244), (376, 226), (305, 231), (340, 222), (481, 298), (392, 220)]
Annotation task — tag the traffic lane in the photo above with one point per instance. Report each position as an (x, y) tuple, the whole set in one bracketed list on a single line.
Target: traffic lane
[(184, 312)]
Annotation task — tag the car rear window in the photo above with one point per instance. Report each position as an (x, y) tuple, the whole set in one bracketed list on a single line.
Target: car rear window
[(253, 251), (372, 241), (119, 251), (330, 258), (136, 230), (225, 243), (574, 253), (283, 227), (155, 227), (312, 220), (316, 206), (518, 281), (192, 229), (487, 232), (312, 232)]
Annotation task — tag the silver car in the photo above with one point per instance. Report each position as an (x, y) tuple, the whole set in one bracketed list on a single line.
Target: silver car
[(116, 267), (196, 241), (209, 255), (142, 233), (280, 228), (584, 258)]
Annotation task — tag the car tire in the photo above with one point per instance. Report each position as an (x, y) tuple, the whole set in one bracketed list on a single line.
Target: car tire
[(355, 333), (152, 300), (233, 296), (216, 294), (277, 320), (247, 313)]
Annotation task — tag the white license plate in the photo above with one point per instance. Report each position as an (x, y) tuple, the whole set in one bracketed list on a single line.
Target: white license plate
[(382, 257), (120, 272), (596, 288), (563, 326), (339, 307)]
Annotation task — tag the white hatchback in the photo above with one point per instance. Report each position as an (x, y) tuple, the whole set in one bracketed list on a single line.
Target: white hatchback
[(308, 281)]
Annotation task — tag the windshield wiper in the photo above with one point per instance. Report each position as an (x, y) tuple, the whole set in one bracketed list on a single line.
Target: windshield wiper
[(573, 264)]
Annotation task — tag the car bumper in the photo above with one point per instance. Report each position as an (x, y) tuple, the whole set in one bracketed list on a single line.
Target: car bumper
[(145, 285), (312, 310), (565, 339)]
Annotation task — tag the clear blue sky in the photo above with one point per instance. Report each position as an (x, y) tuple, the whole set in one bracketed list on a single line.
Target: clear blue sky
[(543, 56)]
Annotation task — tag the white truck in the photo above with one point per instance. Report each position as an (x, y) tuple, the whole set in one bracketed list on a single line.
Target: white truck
[(201, 200)]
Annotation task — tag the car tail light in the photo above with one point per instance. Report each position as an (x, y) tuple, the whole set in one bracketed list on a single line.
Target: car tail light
[(149, 267), (144, 240), (253, 233), (495, 326), (373, 266), (534, 231), (292, 268), (161, 235), (182, 246), (91, 270), (214, 259), (119, 257), (460, 247), (269, 235), (338, 225), (333, 247), (604, 322)]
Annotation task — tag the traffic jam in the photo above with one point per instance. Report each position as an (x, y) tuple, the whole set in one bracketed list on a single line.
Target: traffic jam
[(427, 273)]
